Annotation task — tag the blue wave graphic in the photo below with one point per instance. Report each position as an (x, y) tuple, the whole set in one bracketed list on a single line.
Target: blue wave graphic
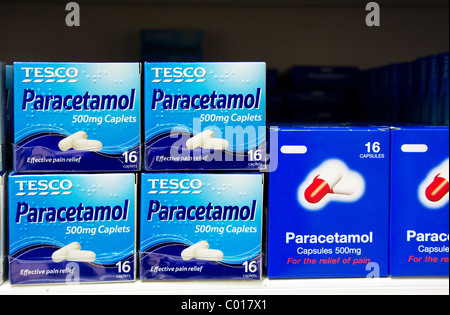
[(45, 146), (173, 144)]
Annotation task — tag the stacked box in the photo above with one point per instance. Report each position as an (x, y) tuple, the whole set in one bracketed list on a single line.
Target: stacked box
[(2, 168), (74, 117), (202, 226), (419, 201), (72, 228), (434, 113), (321, 93), (202, 116), (208, 116), (414, 92), (3, 241), (168, 45), (443, 103), (2, 116), (9, 117)]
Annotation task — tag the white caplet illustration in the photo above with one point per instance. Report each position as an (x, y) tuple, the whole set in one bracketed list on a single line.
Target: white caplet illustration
[(199, 139), (208, 254), (87, 145), (189, 252), (79, 141), (73, 252), (346, 186), (67, 143), (61, 253), (80, 255), (206, 140), (216, 144), (201, 251)]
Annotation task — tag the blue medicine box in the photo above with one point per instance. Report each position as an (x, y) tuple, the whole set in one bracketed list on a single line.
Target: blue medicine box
[(220, 104), (201, 226), (72, 228), (323, 76), (3, 97), (76, 117), (328, 202), (419, 229), (165, 45)]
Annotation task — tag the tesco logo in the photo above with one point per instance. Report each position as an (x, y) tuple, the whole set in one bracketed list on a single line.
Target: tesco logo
[(188, 74), (50, 74), (175, 186), (44, 187)]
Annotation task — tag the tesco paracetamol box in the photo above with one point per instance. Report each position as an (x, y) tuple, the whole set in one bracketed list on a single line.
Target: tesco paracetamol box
[(72, 228), (200, 226), (205, 116), (328, 207), (76, 117), (419, 201)]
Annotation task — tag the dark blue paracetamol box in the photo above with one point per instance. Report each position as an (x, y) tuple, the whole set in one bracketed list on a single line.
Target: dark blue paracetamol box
[(328, 207), (419, 202), (321, 76)]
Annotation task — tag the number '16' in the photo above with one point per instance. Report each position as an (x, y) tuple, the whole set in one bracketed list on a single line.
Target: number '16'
[(373, 147)]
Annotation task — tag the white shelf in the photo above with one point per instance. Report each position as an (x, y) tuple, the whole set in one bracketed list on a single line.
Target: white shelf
[(374, 286)]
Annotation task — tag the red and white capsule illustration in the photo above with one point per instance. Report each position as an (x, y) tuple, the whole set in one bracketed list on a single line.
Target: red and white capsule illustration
[(439, 188), (330, 181)]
